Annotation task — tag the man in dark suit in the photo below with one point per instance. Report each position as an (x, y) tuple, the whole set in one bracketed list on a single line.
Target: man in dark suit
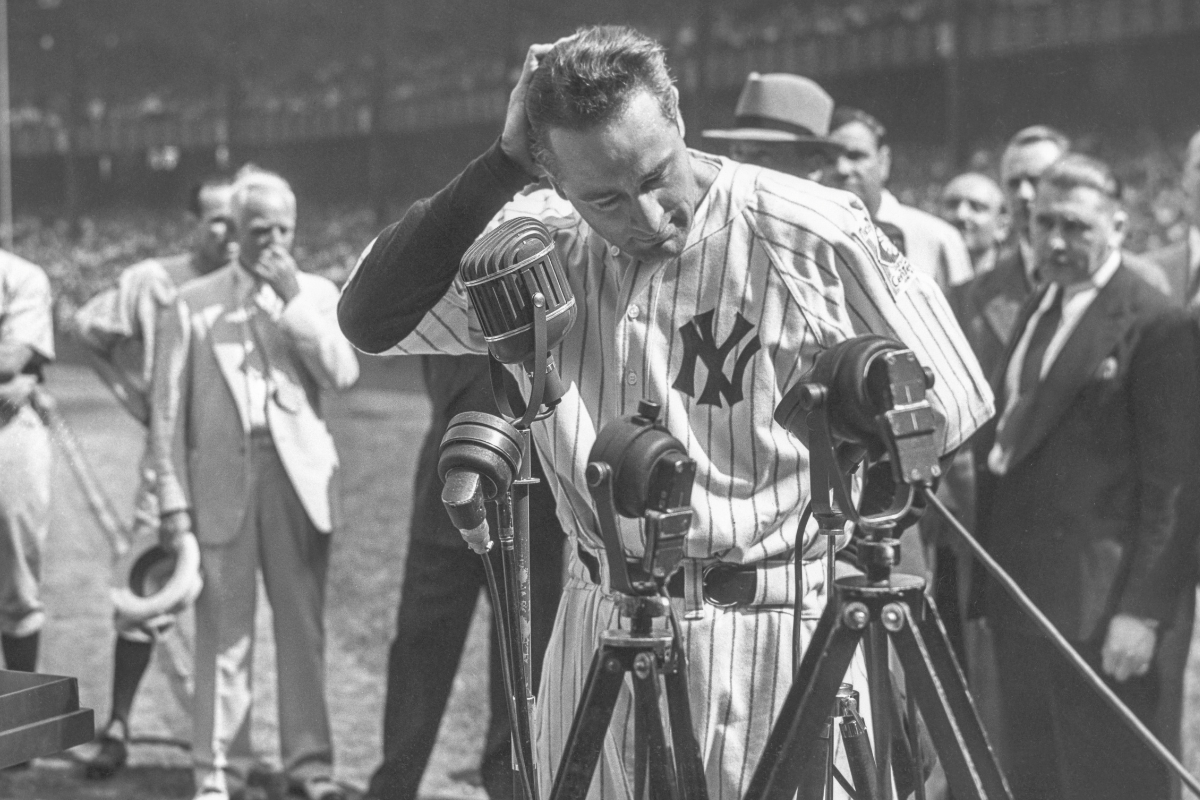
[(987, 306), (1180, 262), (1080, 481)]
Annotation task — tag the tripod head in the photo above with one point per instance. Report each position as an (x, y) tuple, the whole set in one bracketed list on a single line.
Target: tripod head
[(865, 399), (640, 471)]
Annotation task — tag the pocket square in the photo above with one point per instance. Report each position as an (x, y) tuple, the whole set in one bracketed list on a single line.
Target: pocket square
[(1107, 369)]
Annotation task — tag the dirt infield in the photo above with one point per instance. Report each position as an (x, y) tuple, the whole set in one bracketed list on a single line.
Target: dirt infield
[(378, 428)]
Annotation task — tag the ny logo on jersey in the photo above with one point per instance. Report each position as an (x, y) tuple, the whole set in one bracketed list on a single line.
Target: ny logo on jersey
[(699, 341)]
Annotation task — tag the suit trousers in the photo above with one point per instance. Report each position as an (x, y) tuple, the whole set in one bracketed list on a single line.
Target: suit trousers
[(24, 518), (441, 587), (277, 537), (1062, 740)]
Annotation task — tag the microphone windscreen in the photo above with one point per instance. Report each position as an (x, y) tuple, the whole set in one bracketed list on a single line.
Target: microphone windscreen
[(502, 271)]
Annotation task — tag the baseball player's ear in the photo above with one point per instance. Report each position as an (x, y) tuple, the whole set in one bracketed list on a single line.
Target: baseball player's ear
[(885, 162), (678, 115)]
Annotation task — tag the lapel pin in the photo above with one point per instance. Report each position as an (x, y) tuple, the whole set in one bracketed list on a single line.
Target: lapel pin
[(1108, 369)]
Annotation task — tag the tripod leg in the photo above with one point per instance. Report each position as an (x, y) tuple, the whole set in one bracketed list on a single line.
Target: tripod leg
[(688, 762), (653, 758), (805, 710), (941, 693), (590, 725), (883, 712)]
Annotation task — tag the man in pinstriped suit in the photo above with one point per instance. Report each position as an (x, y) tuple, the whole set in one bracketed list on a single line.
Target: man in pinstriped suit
[(708, 287)]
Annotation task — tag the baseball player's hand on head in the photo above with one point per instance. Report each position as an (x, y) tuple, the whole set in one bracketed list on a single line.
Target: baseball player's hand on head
[(172, 527), (277, 267), (515, 139)]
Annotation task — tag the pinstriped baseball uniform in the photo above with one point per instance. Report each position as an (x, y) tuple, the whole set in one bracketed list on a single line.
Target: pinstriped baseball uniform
[(25, 467), (774, 270)]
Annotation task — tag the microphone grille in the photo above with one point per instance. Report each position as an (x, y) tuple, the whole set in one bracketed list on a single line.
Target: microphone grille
[(505, 267)]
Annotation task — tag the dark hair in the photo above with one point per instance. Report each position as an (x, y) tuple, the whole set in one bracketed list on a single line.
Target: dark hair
[(589, 78), (844, 115), (1040, 133), (198, 188), (1074, 170)]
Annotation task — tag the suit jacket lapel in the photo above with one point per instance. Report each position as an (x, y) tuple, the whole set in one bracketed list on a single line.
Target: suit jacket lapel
[(1100, 328), (997, 378), (1002, 310)]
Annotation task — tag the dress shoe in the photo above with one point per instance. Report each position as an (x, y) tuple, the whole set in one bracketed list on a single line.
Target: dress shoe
[(322, 788), (108, 760)]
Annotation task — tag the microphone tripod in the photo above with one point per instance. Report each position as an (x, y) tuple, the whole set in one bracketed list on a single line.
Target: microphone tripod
[(875, 374), (638, 470)]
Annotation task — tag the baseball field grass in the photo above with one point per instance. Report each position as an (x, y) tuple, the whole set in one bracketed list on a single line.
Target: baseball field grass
[(378, 427)]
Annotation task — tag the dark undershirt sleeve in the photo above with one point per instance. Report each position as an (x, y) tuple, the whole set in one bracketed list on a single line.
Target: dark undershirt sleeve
[(412, 263)]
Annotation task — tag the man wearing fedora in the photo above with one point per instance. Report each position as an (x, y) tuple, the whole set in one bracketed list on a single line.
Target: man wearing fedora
[(782, 123)]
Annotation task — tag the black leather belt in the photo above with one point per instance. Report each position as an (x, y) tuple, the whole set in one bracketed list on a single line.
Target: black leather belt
[(724, 585)]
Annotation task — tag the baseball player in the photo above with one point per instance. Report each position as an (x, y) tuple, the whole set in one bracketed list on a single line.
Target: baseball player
[(708, 287), (26, 345), (117, 329)]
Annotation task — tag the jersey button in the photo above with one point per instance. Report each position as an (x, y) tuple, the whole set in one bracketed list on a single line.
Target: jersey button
[(632, 379), (633, 312), (614, 251)]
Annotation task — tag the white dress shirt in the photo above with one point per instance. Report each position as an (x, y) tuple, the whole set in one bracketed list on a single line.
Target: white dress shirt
[(255, 298)]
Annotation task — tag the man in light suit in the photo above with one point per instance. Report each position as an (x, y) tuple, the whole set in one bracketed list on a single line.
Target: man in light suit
[(245, 460), (1084, 471)]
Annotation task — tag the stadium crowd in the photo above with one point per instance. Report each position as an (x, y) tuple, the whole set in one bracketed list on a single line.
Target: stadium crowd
[(1072, 278)]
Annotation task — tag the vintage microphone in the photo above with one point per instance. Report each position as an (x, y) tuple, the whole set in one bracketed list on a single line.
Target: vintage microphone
[(525, 306)]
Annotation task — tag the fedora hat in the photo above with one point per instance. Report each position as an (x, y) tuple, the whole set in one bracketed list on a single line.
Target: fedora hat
[(161, 582), (779, 107)]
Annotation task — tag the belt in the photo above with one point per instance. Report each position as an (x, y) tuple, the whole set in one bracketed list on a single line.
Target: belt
[(723, 585)]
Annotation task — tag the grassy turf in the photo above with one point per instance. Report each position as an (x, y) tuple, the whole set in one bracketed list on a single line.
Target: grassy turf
[(378, 428)]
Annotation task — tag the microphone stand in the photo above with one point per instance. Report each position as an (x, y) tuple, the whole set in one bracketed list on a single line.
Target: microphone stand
[(514, 544), (877, 608)]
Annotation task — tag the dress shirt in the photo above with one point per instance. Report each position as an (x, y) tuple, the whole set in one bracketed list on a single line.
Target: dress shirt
[(1028, 260), (1077, 298), (256, 299), (986, 261)]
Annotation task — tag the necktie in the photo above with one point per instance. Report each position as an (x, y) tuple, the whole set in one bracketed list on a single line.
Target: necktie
[(1016, 420)]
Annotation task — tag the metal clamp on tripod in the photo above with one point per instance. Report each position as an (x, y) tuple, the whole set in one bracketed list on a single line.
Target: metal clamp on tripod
[(638, 470), (867, 395)]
